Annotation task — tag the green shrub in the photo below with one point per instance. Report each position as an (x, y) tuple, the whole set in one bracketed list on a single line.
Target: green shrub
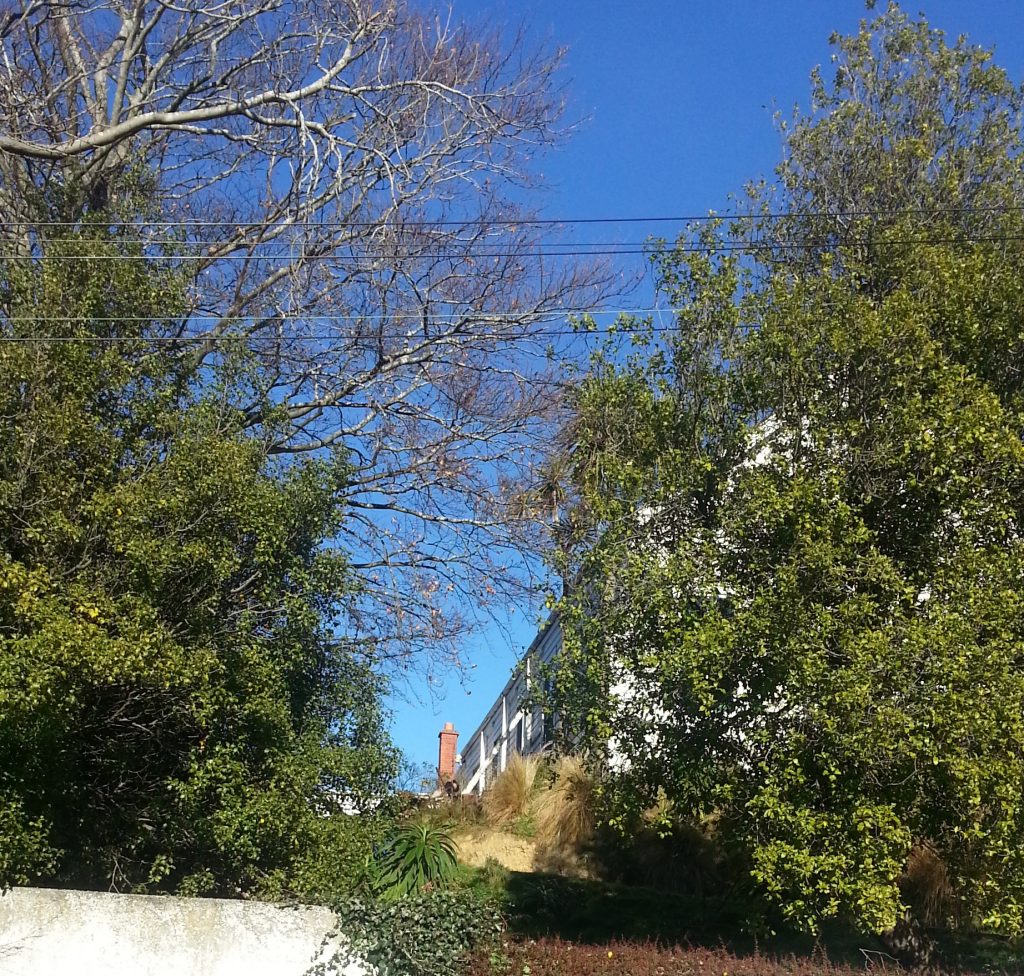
[(24, 851), (524, 826), (427, 934), (669, 852), (417, 855), (336, 861)]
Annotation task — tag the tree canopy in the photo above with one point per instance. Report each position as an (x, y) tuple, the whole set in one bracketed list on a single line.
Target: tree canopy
[(178, 705), (337, 183), (795, 536), (271, 387)]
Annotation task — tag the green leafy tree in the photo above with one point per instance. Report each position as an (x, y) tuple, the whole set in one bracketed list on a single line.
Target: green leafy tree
[(797, 519), (177, 706)]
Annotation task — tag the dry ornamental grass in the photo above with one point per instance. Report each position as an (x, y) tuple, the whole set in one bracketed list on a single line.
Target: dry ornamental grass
[(509, 796), (565, 818)]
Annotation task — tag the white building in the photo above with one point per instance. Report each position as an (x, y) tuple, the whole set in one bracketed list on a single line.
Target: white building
[(637, 702), (509, 726)]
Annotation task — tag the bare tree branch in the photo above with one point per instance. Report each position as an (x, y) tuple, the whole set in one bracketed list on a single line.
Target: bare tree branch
[(337, 178)]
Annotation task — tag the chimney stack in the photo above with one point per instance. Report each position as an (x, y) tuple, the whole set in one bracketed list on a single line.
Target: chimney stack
[(446, 753)]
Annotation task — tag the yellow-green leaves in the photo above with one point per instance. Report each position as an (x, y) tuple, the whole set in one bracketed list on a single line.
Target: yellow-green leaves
[(177, 708), (798, 552)]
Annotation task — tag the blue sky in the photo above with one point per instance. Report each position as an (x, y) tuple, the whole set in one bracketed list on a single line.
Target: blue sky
[(676, 100)]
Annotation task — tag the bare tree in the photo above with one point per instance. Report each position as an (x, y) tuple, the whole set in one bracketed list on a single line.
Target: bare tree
[(336, 176)]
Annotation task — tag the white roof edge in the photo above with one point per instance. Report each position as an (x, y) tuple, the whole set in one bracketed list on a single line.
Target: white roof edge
[(541, 631)]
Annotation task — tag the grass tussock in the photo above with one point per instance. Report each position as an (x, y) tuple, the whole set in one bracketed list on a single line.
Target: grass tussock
[(508, 799), (449, 813), (927, 888), (663, 849), (565, 818)]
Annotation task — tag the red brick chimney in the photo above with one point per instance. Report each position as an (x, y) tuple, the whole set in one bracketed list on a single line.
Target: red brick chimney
[(446, 752)]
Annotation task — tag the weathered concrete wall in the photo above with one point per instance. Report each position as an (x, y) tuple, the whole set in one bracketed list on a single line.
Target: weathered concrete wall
[(85, 933)]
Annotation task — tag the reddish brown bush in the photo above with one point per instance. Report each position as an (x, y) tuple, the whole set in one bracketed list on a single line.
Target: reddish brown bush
[(555, 957)]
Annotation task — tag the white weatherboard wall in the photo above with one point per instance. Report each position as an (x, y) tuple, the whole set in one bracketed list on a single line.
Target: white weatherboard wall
[(86, 933), (509, 726)]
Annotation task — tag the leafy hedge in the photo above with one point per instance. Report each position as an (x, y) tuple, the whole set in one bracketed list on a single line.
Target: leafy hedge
[(426, 934)]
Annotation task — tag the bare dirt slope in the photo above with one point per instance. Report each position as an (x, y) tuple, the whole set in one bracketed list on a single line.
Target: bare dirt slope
[(476, 845)]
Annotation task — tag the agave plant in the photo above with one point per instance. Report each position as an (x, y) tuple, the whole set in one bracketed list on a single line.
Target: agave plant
[(418, 854)]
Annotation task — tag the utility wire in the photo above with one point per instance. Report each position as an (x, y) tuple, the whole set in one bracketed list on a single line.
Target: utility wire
[(477, 320), (535, 251), (488, 317), (513, 221), (228, 338), (212, 317)]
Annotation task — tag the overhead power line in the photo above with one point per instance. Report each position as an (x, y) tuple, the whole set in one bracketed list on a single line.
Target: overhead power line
[(476, 319), (538, 251), (229, 338), (471, 318), (213, 318), (514, 221)]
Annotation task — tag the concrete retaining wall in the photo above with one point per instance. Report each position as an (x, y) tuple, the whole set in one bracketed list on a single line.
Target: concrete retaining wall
[(86, 933)]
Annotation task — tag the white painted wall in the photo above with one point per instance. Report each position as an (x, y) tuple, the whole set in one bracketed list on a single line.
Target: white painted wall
[(45, 932)]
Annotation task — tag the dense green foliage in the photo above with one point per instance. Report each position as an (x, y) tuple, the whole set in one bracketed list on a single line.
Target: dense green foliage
[(177, 709), (426, 934), (798, 517), (646, 928)]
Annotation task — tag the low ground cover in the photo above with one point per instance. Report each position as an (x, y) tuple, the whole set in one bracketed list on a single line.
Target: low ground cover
[(553, 956), (480, 844), (583, 927), (558, 957)]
